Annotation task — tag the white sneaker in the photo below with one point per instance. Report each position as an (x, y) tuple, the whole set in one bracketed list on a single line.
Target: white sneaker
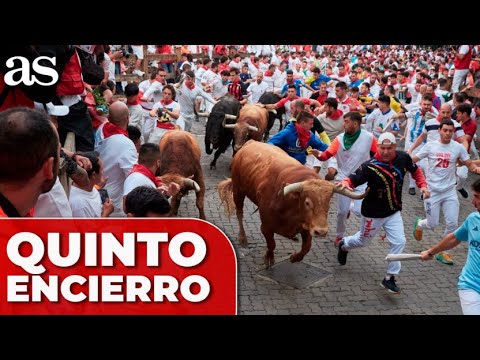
[(154, 63), (138, 72)]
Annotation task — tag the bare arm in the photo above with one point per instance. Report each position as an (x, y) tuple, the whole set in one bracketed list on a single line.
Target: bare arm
[(471, 166), (448, 242), (464, 141), (271, 106), (417, 142)]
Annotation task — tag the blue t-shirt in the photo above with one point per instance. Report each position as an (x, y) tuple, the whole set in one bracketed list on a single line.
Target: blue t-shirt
[(470, 231), (298, 84), (315, 84), (287, 140)]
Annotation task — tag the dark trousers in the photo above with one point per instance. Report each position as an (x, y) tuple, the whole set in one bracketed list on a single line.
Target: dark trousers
[(118, 84), (79, 122)]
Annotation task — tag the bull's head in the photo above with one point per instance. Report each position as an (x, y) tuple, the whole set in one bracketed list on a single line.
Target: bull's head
[(241, 133), (314, 201), (186, 183)]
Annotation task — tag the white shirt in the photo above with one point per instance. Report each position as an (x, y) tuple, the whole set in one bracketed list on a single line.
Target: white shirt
[(383, 120), (186, 98), (442, 158), (119, 155), (135, 180), (85, 204), (256, 90), (53, 203), (155, 91), (171, 107), (219, 89), (433, 125)]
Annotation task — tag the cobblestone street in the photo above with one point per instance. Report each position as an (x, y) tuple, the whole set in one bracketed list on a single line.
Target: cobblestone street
[(427, 287)]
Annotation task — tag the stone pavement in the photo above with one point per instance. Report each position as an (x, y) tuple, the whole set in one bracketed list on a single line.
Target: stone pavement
[(427, 287)]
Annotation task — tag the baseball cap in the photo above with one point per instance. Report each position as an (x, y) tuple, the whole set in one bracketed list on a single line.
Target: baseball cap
[(389, 137), (55, 110)]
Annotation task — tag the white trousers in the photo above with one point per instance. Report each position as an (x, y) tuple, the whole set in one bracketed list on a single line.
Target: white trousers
[(448, 202), (369, 227), (149, 124), (346, 204), (459, 77), (462, 174), (157, 135), (470, 301), (185, 122), (313, 161), (421, 163)]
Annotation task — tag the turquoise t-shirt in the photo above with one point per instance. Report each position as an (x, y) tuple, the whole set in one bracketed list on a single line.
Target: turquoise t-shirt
[(470, 231)]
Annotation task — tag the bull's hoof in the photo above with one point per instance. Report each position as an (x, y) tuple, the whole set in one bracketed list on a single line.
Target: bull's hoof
[(269, 260), (296, 257)]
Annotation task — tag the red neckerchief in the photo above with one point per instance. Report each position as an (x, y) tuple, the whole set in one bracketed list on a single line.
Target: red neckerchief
[(142, 169), (268, 73), (336, 115), (167, 125), (290, 82), (165, 103), (191, 87), (135, 102), (257, 66), (204, 66), (110, 129), (303, 135)]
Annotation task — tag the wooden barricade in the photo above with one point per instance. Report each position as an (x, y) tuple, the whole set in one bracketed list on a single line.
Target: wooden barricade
[(146, 59)]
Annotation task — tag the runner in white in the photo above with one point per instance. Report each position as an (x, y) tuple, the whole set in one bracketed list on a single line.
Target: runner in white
[(442, 156)]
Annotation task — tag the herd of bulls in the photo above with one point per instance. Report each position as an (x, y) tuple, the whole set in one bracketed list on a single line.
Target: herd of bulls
[(291, 198)]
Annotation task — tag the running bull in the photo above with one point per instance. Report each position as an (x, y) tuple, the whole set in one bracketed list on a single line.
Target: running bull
[(291, 198)]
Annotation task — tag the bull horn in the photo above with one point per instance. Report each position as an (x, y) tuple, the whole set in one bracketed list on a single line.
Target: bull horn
[(295, 187), (253, 128), (272, 111), (230, 117), (229, 126), (349, 193), (191, 184), (203, 114)]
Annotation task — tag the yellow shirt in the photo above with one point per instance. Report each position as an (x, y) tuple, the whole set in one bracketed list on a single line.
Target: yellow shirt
[(395, 105)]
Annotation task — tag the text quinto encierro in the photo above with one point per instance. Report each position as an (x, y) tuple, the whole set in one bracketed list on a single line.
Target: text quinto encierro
[(160, 266)]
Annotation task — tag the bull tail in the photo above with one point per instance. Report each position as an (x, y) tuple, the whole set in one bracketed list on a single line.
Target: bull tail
[(225, 191)]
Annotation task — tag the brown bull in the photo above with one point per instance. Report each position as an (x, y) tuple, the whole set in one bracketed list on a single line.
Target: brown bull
[(180, 163), (251, 123), (291, 198)]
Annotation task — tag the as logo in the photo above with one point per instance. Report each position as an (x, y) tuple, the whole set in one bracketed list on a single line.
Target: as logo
[(27, 78)]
